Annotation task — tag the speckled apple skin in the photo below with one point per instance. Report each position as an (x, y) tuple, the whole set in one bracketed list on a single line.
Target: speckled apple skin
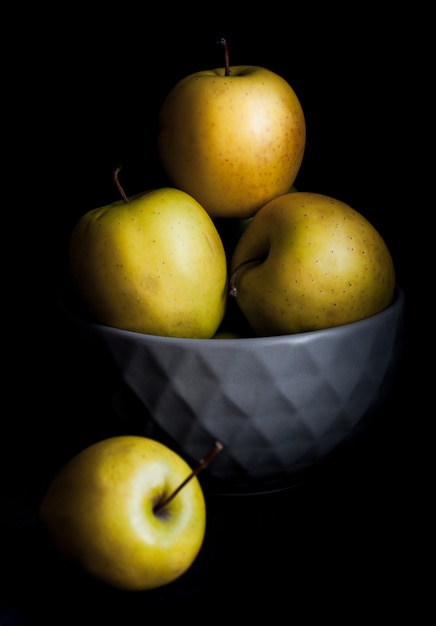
[(233, 142), (154, 265), (318, 264), (99, 513)]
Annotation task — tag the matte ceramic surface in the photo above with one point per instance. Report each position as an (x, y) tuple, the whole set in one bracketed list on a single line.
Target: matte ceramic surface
[(279, 405)]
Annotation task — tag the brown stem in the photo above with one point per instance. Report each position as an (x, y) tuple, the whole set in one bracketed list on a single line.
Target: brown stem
[(233, 291), (117, 170), (223, 43), (217, 447)]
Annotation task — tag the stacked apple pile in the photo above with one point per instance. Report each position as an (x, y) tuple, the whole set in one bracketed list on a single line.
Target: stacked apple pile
[(231, 141)]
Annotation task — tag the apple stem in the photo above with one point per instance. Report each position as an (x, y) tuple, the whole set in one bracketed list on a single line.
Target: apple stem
[(233, 291), (217, 447), (117, 170), (223, 43)]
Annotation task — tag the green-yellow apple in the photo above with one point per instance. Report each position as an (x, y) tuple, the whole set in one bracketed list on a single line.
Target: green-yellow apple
[(232, 137), (308, 261), (101, 512), (226, 334), (154, 264)]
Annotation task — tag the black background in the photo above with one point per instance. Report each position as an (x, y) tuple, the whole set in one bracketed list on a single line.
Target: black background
[(84, 93)]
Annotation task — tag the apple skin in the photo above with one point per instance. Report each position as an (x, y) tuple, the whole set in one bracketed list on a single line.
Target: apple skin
[(232, 142), (226, 334), (98, 513), (155, 265), (322, 264)]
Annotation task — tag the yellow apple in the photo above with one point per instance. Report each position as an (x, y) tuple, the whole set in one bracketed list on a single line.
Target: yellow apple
[(101, 513), (308, 261), (226, 334), (155, 264), (232, 137)]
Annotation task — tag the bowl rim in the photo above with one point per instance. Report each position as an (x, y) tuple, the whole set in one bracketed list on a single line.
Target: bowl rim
[(395, 307)]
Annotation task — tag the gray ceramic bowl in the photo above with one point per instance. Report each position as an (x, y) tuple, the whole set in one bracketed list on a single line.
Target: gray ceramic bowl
[(279, 405)]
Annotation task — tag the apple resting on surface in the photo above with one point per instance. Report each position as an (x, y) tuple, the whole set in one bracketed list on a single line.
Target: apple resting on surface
[(232, 137), (101, 513), (154, 264), (308, 261)]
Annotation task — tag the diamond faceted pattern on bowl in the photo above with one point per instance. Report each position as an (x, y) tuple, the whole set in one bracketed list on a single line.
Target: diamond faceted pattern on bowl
[(278, 404), (313, 395)]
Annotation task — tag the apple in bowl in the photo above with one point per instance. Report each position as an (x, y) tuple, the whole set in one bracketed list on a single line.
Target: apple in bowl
[(232, 137), (153, 263), (307, 261)]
